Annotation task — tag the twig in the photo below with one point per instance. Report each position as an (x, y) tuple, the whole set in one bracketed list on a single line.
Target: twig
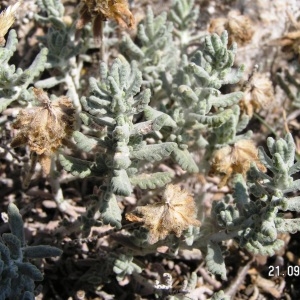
[(266, 124), (232, 289), (216, 284), (30, 172)]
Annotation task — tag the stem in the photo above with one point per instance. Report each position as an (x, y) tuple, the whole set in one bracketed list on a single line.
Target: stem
[(55, 187), (228, 235), (235, 285), (72, 93), (57, 193), (266, 124), (29, 174), (102, 47)]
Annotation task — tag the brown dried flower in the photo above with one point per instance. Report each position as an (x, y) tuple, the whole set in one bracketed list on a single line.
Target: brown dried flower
[(44, 127), (175, 213), (258, 94), (239, 27), (7, 18), (290, 42), (234, 159), (101, 10)]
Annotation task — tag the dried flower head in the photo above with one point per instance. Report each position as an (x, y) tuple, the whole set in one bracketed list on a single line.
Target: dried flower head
[(175, 213), (258, 94), (239, 27), (101, 10), (44, 127), (7, 18), (290, 42), (237, 158)]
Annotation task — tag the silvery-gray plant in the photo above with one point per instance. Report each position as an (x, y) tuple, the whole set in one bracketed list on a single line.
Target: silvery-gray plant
[(17, 273)]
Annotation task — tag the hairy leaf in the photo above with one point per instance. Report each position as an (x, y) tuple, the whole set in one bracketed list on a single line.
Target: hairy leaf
[(154, 152), (185, 160), (110, 211), (214, 260), (151, 181), (41, 251), (120, 183)]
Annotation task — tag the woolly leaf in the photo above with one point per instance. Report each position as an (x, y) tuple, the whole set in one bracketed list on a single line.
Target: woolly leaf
[(152, 181), (92, 121), (16, 223), (234, 76), (242, 123), (240, 194), (76, 166), (215, 120), (129, 46), (292, 187), (120, 183), (29, 270), (287, 225), (185, 160), (4, 103), (265, 159), (188, 94), (294, 168), (161, 121), (198, 71), (13, 244), (290, 151), (110, 211), (41, 251), (37, 66), (226, 100), (154, 152), (83, 142), (220, 295), (4, 253), (152, 114), (124, 266), (256, 247), (292, 204), (214, 260), (49, 82)]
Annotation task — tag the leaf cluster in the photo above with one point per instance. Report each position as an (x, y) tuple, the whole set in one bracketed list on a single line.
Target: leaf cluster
[(17, 273)]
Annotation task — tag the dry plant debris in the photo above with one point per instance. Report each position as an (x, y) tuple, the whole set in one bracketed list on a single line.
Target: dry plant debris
[(239, 27), (44, 127), (101, 10), (174, 214), (234, 159), (7, 18), (258, 94), (290, 42)]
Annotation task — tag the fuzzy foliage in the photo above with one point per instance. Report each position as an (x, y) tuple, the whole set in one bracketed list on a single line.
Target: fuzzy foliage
[(113, 102), (124, 265), (157, 53), (59, 40), (254, 215), (17, 273), (199, 108), (14, 82)]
